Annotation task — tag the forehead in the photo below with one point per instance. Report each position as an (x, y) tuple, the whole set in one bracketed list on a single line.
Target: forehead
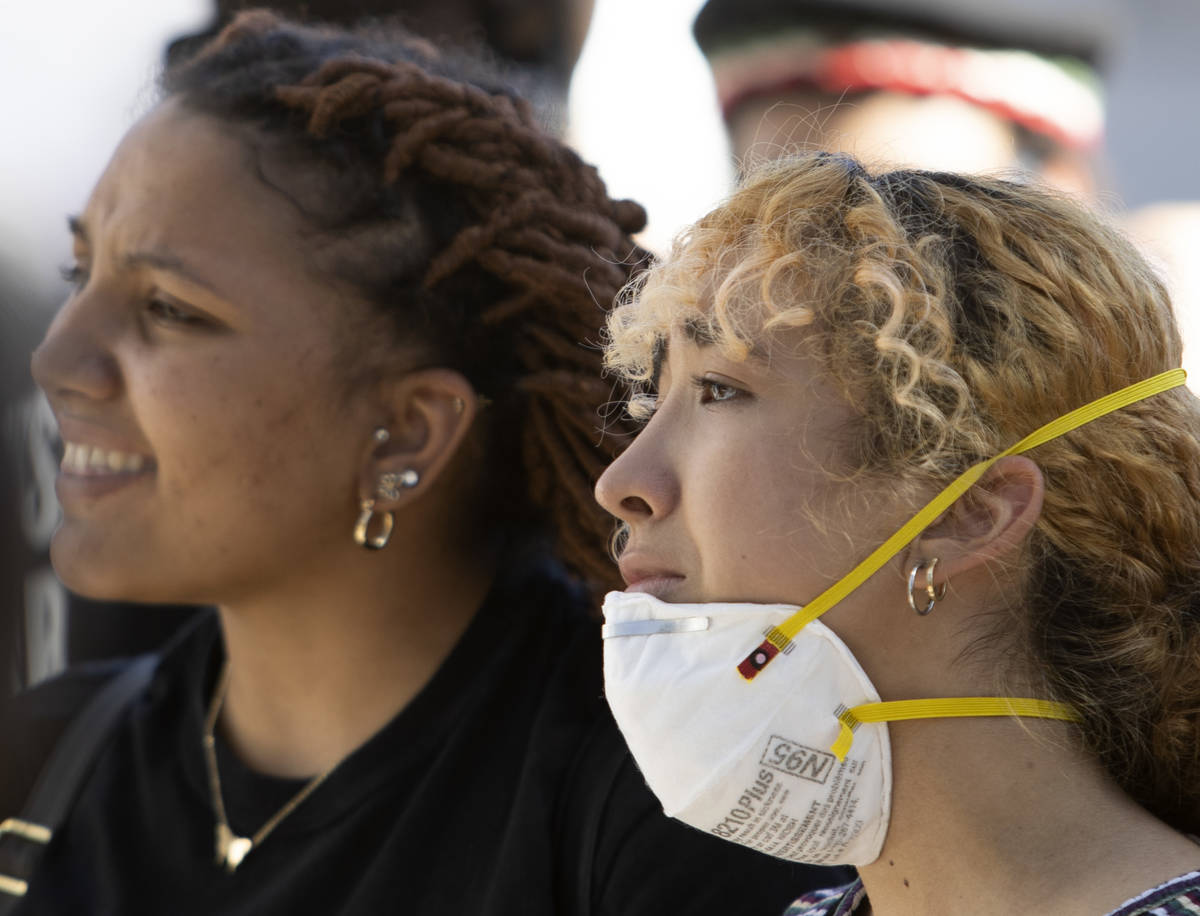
[(189, 187), (181, 172)]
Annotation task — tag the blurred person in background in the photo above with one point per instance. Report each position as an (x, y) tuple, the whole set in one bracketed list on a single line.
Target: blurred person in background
[(16, 339), (325, 368), (540, 39), (974, 87)]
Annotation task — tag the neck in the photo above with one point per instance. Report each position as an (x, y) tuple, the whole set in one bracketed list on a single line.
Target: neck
[(988, 812), (321, 663)]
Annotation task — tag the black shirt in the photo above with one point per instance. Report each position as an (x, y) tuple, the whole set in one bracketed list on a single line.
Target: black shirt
[(502, 788)]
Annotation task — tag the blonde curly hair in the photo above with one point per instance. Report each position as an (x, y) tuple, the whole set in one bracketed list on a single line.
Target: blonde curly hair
[(955, 315)]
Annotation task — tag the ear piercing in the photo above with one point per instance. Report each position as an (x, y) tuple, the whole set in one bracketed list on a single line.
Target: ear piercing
[(365, 516), (932, 595), (389, 487), (392, 482)]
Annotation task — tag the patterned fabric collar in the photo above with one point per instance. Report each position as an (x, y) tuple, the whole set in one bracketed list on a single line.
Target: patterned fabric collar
[(1177, 897), (836, 901)]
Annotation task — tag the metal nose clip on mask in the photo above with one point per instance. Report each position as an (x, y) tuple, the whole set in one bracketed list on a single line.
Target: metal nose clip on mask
[(788, 751)]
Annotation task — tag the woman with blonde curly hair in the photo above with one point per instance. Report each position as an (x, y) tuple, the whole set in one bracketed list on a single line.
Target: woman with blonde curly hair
[(911, 539)]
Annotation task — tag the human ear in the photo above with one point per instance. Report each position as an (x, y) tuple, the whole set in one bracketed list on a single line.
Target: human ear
[(991, 520), (430, 413)]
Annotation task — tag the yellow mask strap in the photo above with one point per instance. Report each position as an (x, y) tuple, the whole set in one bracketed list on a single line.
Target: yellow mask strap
[(780, 637), (949, 708)]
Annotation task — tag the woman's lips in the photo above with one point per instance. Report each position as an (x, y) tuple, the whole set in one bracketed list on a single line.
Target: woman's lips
[(649, 577), (656, 585)]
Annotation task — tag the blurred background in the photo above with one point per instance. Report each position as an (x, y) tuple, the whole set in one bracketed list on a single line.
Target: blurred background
[(1098, 95)]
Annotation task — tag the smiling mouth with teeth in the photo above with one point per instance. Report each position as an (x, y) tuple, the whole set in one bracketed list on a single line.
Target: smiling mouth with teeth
[(93, 461)]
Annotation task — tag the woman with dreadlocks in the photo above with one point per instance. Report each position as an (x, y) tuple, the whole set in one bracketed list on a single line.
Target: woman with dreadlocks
[(324, 367)]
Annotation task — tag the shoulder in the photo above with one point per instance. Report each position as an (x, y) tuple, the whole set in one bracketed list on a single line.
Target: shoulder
[(38, 717), (1178, 897), (834, 901), (60, 698), (41, 715), (550, 633)]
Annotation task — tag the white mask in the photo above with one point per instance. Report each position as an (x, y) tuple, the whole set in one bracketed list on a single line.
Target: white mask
[(787, 751), (748, 761)]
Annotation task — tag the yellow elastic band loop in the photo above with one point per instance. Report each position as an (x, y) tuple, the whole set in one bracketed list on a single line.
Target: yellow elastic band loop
[(782, 635), (947, 708)]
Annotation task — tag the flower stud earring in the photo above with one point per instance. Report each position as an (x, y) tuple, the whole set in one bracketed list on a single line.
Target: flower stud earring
[(391, 483)]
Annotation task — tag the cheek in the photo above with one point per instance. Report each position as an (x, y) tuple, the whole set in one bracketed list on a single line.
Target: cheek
[(257, 434), (732, 505), (779, 526)]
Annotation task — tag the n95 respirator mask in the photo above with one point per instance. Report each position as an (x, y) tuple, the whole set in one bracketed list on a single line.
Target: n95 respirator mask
[(748, 761)]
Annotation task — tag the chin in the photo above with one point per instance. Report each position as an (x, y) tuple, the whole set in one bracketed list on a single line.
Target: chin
[(94, 574), (94, 584)]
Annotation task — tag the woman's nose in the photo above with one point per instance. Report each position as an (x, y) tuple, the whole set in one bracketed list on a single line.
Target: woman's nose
[(74, 359), (640, 484)]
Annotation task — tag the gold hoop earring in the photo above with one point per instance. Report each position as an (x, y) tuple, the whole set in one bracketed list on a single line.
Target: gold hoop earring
[(932, 595), (367, 513)]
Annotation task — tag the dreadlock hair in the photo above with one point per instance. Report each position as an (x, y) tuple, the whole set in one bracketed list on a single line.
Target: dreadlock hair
[(491, 247)]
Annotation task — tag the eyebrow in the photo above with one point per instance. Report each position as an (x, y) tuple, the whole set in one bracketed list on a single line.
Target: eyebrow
[(694, 331), (697, 332), (170, 263), (700, 333), (158, 260)]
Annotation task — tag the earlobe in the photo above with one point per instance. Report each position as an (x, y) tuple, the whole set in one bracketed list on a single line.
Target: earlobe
[(993, 518)]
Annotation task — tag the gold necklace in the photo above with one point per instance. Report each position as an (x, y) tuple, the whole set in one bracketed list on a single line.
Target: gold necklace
[(232, 849)]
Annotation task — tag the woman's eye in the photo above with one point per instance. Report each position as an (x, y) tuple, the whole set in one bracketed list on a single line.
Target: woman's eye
[(713, 392), (74, 274), (168, 313)]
